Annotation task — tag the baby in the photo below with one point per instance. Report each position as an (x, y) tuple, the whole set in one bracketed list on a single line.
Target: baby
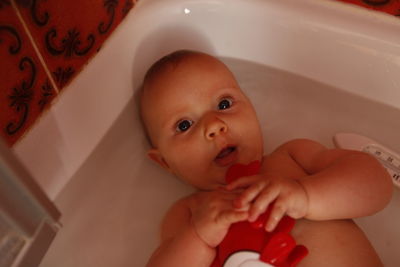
[(200, 123)]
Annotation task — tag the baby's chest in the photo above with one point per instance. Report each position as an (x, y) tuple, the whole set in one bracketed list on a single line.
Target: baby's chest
[(281, 164)]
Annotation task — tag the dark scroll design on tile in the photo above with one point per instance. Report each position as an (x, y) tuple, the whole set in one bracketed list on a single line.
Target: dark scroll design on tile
[(39, 19), (14, 48), (70, 45), (63, 75), (127, 6), (376, 2), (22, 96), (47, 93), (110, 5), (4, 3)]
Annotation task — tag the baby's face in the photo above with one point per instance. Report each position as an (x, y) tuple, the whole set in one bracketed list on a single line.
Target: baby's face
[(200, 122)]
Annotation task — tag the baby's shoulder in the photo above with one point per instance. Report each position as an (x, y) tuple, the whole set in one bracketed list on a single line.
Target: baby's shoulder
[(300, 144), (293, 158), (298, 150)]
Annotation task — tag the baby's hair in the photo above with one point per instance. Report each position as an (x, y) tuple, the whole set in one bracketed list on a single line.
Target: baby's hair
[(171, 60)]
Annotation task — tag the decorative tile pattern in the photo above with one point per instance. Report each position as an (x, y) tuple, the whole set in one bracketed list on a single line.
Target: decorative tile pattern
[(389, 6), (68, 33), (25, 90)]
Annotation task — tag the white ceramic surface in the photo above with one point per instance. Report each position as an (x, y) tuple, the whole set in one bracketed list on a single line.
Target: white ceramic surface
[(90, 156)]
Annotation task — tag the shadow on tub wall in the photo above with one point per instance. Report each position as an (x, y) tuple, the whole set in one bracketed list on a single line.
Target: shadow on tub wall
[(163, 41)]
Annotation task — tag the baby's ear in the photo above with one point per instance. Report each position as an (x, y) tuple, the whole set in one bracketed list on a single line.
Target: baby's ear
[(156, 156)]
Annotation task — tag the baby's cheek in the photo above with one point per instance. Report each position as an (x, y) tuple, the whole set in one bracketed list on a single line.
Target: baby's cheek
[(192, 173)]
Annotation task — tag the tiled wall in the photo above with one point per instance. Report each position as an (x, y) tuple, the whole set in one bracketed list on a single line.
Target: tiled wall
[(389, 6), (43, 45)]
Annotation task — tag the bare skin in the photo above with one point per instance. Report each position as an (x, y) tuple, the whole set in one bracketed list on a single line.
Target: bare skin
[(330, 242)]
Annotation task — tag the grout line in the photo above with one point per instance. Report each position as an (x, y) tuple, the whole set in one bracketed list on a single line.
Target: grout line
[(38, 54)]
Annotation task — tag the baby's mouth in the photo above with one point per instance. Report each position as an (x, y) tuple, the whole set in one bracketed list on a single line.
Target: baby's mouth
[(226, 156), (225, 152)]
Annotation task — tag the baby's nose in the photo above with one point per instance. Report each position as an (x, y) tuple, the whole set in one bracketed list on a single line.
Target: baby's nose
[(214, 128)]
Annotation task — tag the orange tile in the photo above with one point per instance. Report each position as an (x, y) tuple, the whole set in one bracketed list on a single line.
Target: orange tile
[(25, 90), (388, 6), (69, 32)]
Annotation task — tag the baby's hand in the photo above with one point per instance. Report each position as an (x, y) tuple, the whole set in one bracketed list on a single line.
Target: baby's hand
[(213, 212), (289, 195)]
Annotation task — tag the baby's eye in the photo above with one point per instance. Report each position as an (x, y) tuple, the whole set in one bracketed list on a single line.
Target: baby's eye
[(225, 103), (184, 125)]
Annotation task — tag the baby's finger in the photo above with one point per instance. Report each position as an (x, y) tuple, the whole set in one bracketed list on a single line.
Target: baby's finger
[(224, 196), (250, 194), (230, 216), (242, 182), (262, 202), (277, 212), (224, 203)]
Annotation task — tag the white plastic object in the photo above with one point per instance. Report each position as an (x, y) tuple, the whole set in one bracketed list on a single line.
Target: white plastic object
[(255, 263), (245, 259), (389, 159)]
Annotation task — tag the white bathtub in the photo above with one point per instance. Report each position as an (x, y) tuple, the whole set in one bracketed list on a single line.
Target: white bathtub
[(336, 65)]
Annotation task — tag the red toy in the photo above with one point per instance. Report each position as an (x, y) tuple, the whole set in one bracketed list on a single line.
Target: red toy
[(249, 245)]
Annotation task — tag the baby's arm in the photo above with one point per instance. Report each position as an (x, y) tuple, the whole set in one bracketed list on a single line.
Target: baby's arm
[(341, 183), (193, 228), (338, 184)]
